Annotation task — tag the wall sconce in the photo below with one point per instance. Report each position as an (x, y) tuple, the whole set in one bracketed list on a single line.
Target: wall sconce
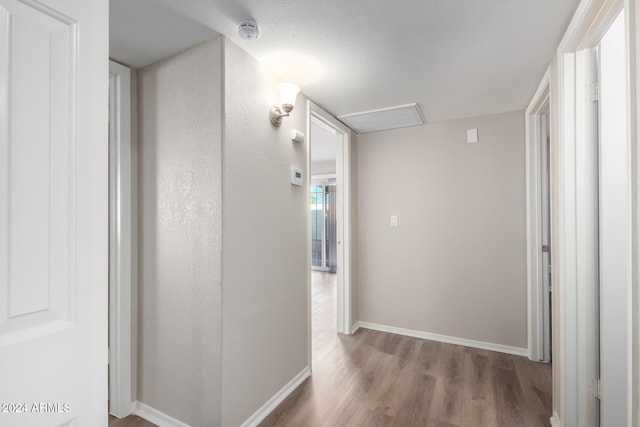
[(288, 94)]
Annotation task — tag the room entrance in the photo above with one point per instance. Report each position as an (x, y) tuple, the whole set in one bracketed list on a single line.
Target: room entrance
[(329, 230)]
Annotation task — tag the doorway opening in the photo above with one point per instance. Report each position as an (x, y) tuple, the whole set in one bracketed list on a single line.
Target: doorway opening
[(539, 283), (323, 146), (329, 231)]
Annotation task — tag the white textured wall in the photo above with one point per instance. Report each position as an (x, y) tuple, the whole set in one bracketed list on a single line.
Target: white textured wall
[(456, 265), (180, 122), (264, 240)]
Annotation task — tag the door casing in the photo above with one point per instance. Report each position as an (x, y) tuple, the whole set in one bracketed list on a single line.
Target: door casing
[(121, 243), (538, 312), (591, 20)]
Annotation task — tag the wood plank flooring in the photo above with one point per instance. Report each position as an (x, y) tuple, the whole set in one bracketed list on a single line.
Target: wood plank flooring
[(130, 421), (377, 379), (374, 379)]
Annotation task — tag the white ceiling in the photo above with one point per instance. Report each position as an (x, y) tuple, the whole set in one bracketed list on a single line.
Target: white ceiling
[(142, 32), (455, 58)]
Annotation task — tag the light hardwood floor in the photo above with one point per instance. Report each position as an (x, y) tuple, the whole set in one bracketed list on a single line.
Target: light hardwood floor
[(377, 379)]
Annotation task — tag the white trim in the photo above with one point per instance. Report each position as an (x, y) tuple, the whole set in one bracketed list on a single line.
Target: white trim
[(120, 241), (615, 232), (307, 141), (589, 23), (565, 242), (633, 39), (329, 178), (517, 351), (355, 327), (555, 420), (277, 398), (586, 224), (156, 417), (537, 341)]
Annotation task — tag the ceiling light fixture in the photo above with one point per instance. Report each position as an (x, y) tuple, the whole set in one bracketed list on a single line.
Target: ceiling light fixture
[(288, 94), (248, 29)]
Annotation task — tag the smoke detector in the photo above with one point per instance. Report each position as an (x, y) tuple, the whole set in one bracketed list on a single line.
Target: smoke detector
[(248, 29)]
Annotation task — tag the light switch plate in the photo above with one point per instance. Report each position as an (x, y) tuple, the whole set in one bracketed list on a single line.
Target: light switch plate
[(394, 220), (472, 135)]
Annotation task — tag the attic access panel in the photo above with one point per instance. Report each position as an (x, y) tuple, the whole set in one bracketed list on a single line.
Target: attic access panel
[(384, 119)]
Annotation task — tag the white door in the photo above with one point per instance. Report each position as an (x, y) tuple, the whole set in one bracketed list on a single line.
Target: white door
[(53, 212)]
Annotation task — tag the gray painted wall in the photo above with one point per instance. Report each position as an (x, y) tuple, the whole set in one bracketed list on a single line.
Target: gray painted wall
[(265, 256), (223, 291), (456, 264), (180, 155)]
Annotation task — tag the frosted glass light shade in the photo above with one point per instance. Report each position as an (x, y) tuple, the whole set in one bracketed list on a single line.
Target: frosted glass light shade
[(288, 93)]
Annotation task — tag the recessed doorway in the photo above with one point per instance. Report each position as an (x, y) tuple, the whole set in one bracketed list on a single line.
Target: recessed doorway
[(329, 228)]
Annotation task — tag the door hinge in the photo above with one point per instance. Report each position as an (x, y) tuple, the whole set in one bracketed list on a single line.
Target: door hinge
[(595, 388), (595, 92), (545, 248)]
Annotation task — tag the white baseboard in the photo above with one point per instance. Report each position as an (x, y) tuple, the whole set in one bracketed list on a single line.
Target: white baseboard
[(156, 417), (555, 420), (277, 398), (446, 339), (355, 327)]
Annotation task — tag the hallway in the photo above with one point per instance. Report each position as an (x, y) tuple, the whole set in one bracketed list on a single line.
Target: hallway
[(377, 379)]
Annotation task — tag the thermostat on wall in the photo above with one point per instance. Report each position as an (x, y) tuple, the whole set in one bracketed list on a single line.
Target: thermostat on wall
[(296, 176)]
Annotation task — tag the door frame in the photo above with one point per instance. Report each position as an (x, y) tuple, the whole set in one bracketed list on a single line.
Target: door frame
[(537, 316), (590, 22), (632, 8), (616, 231), (121, 243), (343, 215)]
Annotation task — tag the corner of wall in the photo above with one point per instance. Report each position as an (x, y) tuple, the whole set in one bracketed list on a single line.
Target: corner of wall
[(179, 234), (355, 315), (264, 216)]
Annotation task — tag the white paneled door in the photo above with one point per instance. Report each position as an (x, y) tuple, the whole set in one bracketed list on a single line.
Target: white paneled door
[(53, 212)]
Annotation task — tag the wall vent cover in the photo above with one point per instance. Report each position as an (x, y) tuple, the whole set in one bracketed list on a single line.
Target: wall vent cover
[(384, 119)]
